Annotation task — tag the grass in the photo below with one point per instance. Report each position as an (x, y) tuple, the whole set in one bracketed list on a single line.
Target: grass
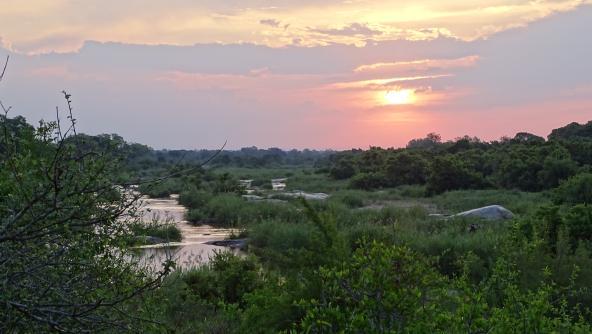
[(166, 230), (516, 201), (230, 210)]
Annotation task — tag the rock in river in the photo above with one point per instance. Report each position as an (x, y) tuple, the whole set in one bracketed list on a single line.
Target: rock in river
[(232, 243)]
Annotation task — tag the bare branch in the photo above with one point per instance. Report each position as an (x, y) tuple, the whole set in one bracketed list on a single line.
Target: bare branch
[(4, 69)]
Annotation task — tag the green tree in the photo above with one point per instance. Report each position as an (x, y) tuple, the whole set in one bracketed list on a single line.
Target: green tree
[(576, 190), (406, 168), (344, 168), (449, 173), (63, 233)]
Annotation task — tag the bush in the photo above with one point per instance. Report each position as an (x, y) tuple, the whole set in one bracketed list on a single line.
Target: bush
[(194, 198), (165, 231), (449, 173), (576, 190), (578, 221), (380, 289), (226, 278), (287, 246), (343, 169), (406, 169), (227, 210), (351, 198), (368, 181)]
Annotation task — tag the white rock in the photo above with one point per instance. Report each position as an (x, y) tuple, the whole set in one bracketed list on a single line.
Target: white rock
[(492, 212)]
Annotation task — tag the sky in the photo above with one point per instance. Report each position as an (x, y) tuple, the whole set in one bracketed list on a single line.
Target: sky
[(333, 74)]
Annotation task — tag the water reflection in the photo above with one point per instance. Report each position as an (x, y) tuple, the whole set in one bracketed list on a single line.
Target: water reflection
[(192, 250)]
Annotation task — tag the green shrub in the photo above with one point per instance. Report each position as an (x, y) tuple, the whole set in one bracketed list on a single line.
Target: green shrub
[(368, 181), (195, 215), (227, 278), (227, 210), (167, 230), (576, 190), (351, 198), (194, 198), (287, 246), (380, 289)]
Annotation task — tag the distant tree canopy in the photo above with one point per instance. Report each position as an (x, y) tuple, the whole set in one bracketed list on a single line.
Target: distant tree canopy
[(138, 157), (526, 162), (573, 131)]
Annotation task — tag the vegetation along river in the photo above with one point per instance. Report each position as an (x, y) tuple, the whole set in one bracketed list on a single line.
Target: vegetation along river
[(193, 249)]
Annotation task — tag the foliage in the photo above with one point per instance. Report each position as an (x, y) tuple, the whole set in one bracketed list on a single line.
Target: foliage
[(406, 169), (380, 289), (166, 230), (63, 226), (449, 173), (526, 162), (576, 190), (370, 259)]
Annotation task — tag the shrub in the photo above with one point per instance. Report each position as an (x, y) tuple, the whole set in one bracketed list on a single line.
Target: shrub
[(380, 289), (351, 198), (368, 181), (406, 168), (166, 231), (449, 173), (576, 190), (226, 278), (194, 198)]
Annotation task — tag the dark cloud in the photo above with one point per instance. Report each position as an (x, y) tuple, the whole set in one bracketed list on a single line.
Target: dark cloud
[(242, 58), (270, 22), (354, 29)]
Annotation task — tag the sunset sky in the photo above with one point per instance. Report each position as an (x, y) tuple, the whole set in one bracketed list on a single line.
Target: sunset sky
[(299, 73)]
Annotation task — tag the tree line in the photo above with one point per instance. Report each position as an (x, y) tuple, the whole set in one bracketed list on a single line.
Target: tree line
[(525, 162)]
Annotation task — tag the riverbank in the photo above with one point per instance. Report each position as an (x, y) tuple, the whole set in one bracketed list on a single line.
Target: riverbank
[(197, 245)]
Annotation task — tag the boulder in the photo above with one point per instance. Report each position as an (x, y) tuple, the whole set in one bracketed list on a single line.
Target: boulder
[(231, 243), (492, 212)]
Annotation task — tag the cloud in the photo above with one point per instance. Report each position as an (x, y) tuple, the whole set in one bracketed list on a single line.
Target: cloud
[(62, 42), (421, 65), (270, 22), (382, 84), (317, 96), (183, 22), (353, 29)]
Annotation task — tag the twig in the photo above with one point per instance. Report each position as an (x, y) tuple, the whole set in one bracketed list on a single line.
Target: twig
[(4, 69)]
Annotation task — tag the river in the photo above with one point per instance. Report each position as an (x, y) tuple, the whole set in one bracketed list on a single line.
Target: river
[(192, 250)]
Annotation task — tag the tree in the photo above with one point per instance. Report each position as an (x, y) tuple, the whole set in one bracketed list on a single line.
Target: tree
[(576, 190), (343, 169), (449, 173), (63, 234), (572, 131), (528, 138), (431, 141), (406, 168)]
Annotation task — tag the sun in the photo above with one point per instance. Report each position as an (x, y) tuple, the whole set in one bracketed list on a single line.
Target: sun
[(400, 96)]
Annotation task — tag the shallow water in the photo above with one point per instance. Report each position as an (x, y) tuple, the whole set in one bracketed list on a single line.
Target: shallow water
[(192, 250)]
